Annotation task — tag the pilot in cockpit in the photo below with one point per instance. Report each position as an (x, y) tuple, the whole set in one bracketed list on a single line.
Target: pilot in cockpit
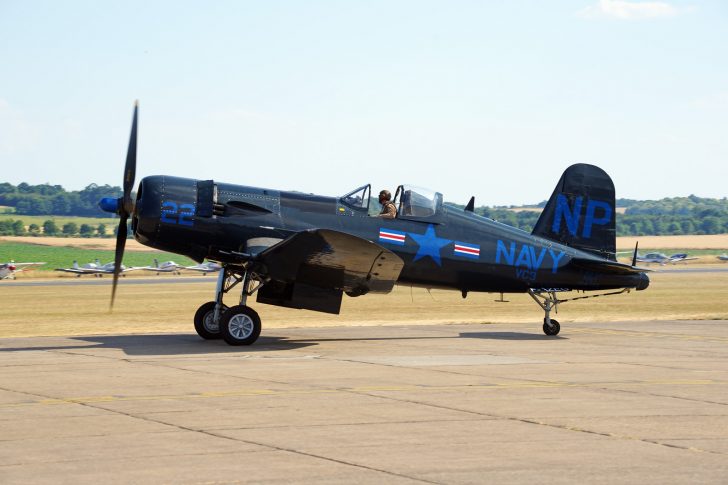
[(389, 210)]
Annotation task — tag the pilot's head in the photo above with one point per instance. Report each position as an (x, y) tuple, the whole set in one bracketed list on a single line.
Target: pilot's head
[(384, 196)]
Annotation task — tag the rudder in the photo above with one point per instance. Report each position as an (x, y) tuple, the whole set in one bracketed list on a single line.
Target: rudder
[(581, 211)]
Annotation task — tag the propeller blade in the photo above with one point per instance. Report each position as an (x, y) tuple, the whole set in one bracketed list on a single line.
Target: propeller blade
[(118, 257), (634, 258), (126, 208), (130, 166)]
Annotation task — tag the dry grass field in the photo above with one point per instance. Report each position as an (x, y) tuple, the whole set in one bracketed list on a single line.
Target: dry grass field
[(83, 310), (718, 242)]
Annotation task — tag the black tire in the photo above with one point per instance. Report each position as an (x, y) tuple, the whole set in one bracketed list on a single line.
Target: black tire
[(204, 325), (552, 329), (240, 325)]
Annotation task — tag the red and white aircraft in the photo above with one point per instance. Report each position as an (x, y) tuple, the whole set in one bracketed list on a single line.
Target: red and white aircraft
[(8, 270)]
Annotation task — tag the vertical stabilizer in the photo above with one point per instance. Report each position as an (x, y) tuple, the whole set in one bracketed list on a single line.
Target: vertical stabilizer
[(581, 211)]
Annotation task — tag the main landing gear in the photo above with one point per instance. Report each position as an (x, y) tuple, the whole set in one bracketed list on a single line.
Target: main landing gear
[(547, 300), (239, 324)]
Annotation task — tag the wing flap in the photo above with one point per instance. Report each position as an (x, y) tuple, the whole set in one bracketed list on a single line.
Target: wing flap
[(332, 259)]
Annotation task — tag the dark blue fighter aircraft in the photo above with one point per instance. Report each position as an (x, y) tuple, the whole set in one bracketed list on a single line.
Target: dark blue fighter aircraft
[(306, 251)]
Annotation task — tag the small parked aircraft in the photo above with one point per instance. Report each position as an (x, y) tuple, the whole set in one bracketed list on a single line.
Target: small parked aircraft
[(96, 268), (682, 257), (166, 267), (204, 268), (663, 259), (306, 251), (9, 270)]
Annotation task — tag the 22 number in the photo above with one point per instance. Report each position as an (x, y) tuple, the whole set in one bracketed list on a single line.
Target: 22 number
[(182, 214)]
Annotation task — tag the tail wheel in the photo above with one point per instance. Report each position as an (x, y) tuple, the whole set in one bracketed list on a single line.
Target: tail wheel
[(553, 329), (205, 323), (240, 325)]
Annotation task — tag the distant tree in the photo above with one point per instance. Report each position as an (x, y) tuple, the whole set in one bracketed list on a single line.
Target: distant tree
[(711, 225), (61, 204), (39, 206), (687, 226), (7, 188), (34, 230), (18, 228), (101, 230), (6, 227), (50, 228), (86, 230), (70, 228)]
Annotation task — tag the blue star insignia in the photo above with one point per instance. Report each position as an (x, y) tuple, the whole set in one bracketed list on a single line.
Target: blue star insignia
[(430, 244)]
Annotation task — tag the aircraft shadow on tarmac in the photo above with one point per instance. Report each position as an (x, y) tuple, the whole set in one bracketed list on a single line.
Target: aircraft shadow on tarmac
[(511, 336), (168, 344), (190, 344)]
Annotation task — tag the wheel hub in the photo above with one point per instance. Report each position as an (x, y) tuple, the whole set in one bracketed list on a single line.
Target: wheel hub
[(211, 325), (241, 326)]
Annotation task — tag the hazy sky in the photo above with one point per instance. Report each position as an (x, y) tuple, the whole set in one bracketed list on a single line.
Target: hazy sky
[(485, 98)]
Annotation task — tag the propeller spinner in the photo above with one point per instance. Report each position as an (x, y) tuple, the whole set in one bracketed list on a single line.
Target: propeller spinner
[(123, 206)]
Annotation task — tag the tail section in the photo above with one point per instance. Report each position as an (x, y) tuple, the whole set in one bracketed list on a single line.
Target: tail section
[(581, 211)]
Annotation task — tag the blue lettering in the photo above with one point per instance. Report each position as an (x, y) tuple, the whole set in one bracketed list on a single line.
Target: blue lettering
[(529, 260), (501, 250), (524, 258), (564, 212), (536, 261), (556, 259), (525, 274), (590, 220)]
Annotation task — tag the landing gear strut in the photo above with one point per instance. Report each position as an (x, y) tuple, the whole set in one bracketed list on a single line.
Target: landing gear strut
[(548, 301), (239, 324)]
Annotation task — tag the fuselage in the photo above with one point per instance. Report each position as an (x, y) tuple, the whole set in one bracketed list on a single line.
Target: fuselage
[(448, 248)]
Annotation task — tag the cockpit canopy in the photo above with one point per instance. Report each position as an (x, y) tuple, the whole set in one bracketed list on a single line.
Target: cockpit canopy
[(412, 202)]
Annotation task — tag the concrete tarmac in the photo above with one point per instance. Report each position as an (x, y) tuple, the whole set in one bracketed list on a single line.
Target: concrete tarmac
[(627, 402)]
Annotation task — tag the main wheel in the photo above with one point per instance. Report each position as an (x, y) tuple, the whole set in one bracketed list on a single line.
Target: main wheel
[(205, 323), (552, 329), (240, 325)]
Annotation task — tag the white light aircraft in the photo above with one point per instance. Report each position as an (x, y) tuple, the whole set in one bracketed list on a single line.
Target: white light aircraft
[(96, 268), (204, 268), (166, 267), (8, 270)]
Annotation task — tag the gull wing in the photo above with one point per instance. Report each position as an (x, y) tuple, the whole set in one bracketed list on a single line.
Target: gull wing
[(331, 259)]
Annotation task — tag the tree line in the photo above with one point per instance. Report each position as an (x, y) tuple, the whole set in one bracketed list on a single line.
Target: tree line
[(46, 199), (16, 227)]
